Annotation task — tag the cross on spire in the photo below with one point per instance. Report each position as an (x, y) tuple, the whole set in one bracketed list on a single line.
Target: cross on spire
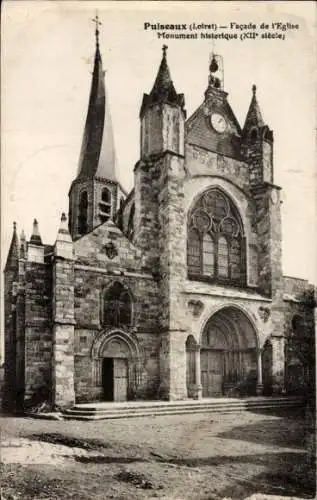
[(98, 23), (164, 49)]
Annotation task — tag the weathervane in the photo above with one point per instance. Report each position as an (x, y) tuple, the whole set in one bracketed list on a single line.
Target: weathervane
[(164, 49)]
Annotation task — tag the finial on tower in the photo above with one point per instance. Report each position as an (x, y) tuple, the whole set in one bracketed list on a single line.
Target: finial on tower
[(63, 244), (215, 79), (35, 237), (63, 228), (23, 247), (14, 226), (164, 49), (254, 90), (213, 67), (98, 23)]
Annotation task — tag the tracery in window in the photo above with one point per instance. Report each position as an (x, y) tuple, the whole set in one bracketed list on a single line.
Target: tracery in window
[(193, 252), (105, 205), (117, 306), (235, 259), (223, 257), (83, 213), (208, 255), (215, 245)]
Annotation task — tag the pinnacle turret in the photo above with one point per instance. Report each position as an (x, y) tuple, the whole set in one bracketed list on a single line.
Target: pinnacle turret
[(35, 237), (254, 115), (13, 254), (23, 247), (163, 90)]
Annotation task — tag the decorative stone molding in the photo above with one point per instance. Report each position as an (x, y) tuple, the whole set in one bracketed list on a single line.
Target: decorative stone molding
[(196, 307), (79, 291), (110, 250), (264, 313)]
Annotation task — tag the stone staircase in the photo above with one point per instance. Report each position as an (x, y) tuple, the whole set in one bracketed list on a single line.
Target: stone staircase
[(132, 409)]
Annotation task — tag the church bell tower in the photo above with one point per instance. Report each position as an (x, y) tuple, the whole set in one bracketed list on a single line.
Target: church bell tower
[(95, 193)]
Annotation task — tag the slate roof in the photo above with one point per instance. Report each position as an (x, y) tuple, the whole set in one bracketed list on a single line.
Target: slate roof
[(97, 157)]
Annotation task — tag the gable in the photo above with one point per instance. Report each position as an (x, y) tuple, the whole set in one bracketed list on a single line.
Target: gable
[(199, 132), (107, 247)]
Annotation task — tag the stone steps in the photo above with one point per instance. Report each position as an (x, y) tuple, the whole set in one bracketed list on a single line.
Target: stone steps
[(101, 411)]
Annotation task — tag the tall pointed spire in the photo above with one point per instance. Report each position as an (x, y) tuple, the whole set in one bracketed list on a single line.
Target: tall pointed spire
[(97, 156), (254, 116), (163, 89), (13, 254)]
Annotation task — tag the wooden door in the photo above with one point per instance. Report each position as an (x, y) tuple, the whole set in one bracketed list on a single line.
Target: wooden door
[(211, 373), (107, 378), (120, 379)]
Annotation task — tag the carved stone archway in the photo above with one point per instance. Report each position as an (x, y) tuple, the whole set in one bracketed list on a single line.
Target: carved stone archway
[(118, 344), (229, 354)]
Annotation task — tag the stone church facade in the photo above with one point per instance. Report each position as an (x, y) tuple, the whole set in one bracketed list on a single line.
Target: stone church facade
[(172, 291)]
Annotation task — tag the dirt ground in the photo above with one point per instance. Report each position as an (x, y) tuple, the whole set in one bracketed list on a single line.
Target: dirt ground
[(169, 457)]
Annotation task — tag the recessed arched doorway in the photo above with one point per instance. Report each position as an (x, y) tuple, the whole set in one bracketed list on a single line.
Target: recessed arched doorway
[(116, 365), (228, 354)]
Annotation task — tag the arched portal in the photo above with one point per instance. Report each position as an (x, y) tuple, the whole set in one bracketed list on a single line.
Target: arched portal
[(117, 365), (228, 356)]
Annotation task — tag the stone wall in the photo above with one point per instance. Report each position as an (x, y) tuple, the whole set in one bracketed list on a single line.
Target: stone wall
[(93, 250), (201, 162), (299, 331), (9, 391), (63, 331), (91, 282), (172, 271), (38, 333), (146, 230)]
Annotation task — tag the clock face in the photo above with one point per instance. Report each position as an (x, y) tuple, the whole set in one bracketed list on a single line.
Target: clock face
[(218, 122)]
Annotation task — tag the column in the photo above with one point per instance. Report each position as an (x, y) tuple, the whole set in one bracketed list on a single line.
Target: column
[(198, 391), (259, 383), (278, 365)]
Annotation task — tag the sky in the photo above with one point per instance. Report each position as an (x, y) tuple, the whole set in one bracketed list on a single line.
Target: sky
[(47, 56)]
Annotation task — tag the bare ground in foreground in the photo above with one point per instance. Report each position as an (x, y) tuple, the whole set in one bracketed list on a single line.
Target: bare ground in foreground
[(176, 457)]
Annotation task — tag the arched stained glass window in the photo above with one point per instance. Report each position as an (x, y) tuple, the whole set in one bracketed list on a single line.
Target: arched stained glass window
[(208, 255), (215, 246), (83, 213), (193, 252), (117, 306)]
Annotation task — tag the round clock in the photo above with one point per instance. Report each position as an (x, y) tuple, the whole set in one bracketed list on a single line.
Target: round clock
[(218, 122)]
